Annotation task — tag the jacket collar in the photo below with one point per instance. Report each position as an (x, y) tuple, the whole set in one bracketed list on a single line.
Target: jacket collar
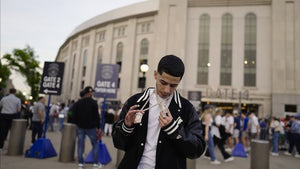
[(146, 95)]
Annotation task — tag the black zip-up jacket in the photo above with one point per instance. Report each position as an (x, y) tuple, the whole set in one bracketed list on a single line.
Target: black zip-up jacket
[(85, 113), (181, 139)]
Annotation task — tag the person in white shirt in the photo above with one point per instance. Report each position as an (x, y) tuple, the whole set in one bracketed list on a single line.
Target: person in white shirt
[(228, 123), (158, 128), (254, 126), (219, 134)]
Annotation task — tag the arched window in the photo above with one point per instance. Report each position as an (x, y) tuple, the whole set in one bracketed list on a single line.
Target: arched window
[(119, 55), (203, 50), (226, 50), (84, 63), (100, 55), (250, 50)]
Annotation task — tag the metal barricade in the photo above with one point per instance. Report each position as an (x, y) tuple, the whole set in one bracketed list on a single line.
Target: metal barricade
[(17, 137), (68, 141), (259, 154)]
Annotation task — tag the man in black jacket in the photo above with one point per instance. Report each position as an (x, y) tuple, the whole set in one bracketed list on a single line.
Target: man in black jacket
[(158, 128), (86, 117)]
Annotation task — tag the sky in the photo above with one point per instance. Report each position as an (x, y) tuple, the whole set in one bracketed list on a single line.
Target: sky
[(44, 25)]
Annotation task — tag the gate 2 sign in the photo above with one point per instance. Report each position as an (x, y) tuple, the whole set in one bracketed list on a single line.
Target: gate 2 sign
[(106, 83), (51, 82)]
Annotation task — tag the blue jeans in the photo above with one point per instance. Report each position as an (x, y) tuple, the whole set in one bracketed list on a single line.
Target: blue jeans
[(51, 119), (92, 133), (61, 122), (211, 147), (275, 142), (37, 129)]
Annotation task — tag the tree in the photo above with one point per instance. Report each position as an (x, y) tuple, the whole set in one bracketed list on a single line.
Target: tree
[(4, 74), (24, 61)]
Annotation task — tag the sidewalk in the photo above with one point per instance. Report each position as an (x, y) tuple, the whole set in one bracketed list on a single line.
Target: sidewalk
[(18, 162)]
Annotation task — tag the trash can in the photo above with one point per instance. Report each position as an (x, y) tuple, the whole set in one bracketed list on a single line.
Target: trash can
[(68, 141), (259, 154), (17, 137)]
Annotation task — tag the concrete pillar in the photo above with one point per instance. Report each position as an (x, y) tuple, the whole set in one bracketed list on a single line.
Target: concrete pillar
[(259, 154), (190, 164), (67, 145), (17, 137)]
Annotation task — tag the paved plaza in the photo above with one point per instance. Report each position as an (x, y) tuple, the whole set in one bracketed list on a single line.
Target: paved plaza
[(20, 162)]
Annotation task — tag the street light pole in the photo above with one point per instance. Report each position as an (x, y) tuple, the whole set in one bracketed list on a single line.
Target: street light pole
[(144, 68)]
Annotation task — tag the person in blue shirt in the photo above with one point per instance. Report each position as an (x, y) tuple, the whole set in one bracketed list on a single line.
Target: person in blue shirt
[(237, 127), (245, 130), (263, 129), (295, 135)]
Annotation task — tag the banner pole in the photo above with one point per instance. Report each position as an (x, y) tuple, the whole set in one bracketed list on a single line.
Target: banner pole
[(102, 115)]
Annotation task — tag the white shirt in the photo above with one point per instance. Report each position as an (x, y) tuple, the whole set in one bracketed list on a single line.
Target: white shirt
[(148, 159), (10, 104), (227, 122), (215, 129), (253, 124)]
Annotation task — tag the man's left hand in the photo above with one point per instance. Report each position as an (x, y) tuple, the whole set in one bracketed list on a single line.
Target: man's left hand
[(165, 120)]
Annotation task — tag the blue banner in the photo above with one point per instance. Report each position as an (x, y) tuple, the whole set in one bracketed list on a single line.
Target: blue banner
[(106, 83)]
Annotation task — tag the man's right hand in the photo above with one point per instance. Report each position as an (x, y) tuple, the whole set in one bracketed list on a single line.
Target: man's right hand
[(130, 116)]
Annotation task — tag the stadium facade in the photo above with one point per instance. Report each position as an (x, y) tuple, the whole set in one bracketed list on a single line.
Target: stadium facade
[(238, 53)]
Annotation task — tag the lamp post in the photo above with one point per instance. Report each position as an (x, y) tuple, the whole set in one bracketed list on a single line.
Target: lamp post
[(144, 68)]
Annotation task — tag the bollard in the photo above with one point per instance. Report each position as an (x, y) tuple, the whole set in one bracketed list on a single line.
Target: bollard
[(67, 145), (120, 154), (259, 154), (190, 164), (17, 137)]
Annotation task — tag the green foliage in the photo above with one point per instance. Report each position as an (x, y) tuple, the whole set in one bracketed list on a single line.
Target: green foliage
[(24, 61), (21, 96), (4, 74)]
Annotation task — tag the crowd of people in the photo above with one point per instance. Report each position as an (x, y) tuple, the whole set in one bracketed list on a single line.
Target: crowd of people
[(230, 128)]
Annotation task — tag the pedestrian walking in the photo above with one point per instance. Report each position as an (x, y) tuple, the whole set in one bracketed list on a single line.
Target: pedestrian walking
[(275, 131), (158, 128), (86, 117), (109, 120), (295, 137), (53, 110), (63, 110), (10, 106), (207, 120), (254, 126), (220, 135), (38, 119)]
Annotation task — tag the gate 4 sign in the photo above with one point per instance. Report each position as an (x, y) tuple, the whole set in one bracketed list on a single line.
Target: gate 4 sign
[(52, 78), (106, 83)]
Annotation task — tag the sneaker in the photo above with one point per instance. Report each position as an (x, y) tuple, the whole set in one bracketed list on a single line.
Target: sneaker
[(229, 159), (297, 155), (287, 153), (80, 165), (96, 166), (216, 162), (229, 150), (206, 157), (274, 154)]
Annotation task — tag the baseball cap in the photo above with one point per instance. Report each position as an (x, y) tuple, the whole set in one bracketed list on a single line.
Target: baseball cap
[(88, 89)]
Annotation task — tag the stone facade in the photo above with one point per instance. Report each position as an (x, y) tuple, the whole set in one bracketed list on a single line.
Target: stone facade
[(172, 27)]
